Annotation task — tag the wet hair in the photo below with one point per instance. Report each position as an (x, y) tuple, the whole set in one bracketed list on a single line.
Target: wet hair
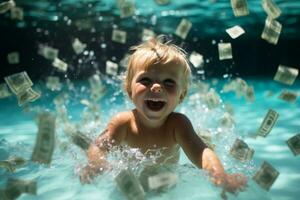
[(153, 52)]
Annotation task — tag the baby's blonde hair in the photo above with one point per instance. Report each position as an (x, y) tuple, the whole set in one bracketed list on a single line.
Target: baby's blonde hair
[(152, 52)]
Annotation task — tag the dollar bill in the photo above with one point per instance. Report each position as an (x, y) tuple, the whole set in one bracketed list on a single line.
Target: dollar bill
[(294, 144), (271, 31), (225, 51), (162, 180), (124, 62), (272, 10), (12, 163), (13, 58), (84, 24), (147, 34), (268, 123), (241, 151), (53, 83), (77, 137), (196, 59), (48, 52), (45, 140), (6, 6), (15, 187), (4, 91), (17, 13), (286, 75), (111, 68), (130, 185), (78, 46), (162, 2), (250, 96), (183, 28), (239, 7), (59, 64), (119, 36), (29, 95), (235, 31), (227, 120), (212, 99), (266, 176), (288, 96), (127, 8), (18, 82)]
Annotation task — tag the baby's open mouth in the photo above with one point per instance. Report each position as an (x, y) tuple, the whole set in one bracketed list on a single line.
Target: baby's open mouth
[(155, 105)]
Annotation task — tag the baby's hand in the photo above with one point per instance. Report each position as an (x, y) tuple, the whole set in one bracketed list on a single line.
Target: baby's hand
[(234, 182), (89, 172)]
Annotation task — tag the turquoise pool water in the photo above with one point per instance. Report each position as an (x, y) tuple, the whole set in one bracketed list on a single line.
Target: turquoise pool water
[(18, 130)]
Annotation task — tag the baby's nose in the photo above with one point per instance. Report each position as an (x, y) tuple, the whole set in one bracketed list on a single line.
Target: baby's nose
[(156, 88)]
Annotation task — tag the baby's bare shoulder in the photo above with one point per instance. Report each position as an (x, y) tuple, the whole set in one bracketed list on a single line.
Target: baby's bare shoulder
[(178, 118)]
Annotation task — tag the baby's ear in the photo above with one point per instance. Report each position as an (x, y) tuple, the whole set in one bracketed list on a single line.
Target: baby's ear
[(182, 95)]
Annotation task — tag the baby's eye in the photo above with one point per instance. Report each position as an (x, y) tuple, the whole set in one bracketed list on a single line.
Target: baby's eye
[(169, 83), (145, 81)]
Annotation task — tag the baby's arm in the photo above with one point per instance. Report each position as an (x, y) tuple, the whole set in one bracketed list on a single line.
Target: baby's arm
[(113, 135), (203, 157)]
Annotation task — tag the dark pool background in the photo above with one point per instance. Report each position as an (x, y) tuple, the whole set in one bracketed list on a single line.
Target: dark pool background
[(255, 60)]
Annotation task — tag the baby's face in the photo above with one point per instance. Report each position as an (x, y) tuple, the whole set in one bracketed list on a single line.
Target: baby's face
[(157, 91)]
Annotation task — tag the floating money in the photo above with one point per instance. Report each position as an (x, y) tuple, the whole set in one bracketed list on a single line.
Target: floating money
[(235, 31), (227, 120), (28, 95), (162, 180), (15, 187), (13, 58), (294, 144), (45, 139), (78, 46), (239, 7), (59, 64), (4, 91), (241, 87), (125, 60), (147, 34), (53, 83), (286, 75), (241, 151), (130, 185), (83, 23), (266, 176), (162, 2), (288, 96), (111, 68), (183, 28), (271, 8), (6, 6), (16, 13), (212, 99), (229, 108), (225, 51), (196, 59), (78, 138), (18, 82), (12, 163), (268, 123), (271, 31), (126, 7), (119, 36), (48, 52), (250, 94)]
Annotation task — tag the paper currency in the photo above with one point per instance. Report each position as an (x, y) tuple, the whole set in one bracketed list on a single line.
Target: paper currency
[(286, 75), (227, 120), (288, 96), (16, 13), (15, 187), (271, 8), (130, 185), (127, 8), (162, 2), (119, 36), (45, 139), (271, 31), (18, 82), (28, 95), (53, 83), (78, 46), (48, 52), (84, 24), (212, 99), (124, 62), (77, 137), (59, 64), (147, 34), (111, 68), (12, 163), (225, 51), (4, 91), (162, 180), (241, 151), (235, 31), (13, 58), (239, 7), (183, 28), (266, 176), (268, 123), (294, 144), (6, 6), (250, 94), (196, 59)]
